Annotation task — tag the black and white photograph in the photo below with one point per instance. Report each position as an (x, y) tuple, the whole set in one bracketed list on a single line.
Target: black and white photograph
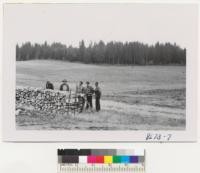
[(102, 67)]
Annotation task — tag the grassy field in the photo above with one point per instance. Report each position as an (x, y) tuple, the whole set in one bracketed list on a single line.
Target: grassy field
[(134, 97)]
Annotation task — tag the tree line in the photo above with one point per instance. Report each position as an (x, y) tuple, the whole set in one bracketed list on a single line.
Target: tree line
[(128, 53)]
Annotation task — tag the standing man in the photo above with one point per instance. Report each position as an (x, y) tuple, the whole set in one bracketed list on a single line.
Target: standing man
[(81, 95), (49, 85), (80, 88), (97, 92), (89, 92), (64, 86)]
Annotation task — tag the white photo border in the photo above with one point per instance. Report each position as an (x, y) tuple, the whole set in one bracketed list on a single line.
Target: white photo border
[(9, 81)]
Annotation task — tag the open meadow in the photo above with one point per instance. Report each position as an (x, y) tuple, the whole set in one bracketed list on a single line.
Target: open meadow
[(133, 97)]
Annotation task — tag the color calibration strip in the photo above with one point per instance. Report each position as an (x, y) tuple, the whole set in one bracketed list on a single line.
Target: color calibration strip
[(103, 156), (101, 160)]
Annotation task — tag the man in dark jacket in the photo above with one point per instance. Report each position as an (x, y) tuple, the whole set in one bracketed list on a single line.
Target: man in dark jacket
[(49, 85), (64, 86), (97, 92), (89, 92)]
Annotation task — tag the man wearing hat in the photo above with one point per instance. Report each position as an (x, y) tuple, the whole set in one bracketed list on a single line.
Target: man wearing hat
[(89, 92), (80, 88), (49, 85), (64, 86)]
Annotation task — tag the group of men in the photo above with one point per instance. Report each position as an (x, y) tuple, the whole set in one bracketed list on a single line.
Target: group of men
[(84, 93)]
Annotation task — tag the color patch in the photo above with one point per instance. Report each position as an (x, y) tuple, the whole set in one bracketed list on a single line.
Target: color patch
[(70, 159), (82, 159), (84, 152), (139, 152), (68, 152), (91, 159), (99, 159), (108, 159), (125, 159), (116, 159), (103, 152), (141, 159), (134, 159)]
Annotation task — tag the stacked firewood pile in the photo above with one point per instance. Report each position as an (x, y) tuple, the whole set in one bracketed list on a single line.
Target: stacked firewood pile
[(48, 100)]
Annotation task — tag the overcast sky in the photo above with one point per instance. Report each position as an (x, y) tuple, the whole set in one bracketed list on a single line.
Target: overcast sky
[(108, 22)]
